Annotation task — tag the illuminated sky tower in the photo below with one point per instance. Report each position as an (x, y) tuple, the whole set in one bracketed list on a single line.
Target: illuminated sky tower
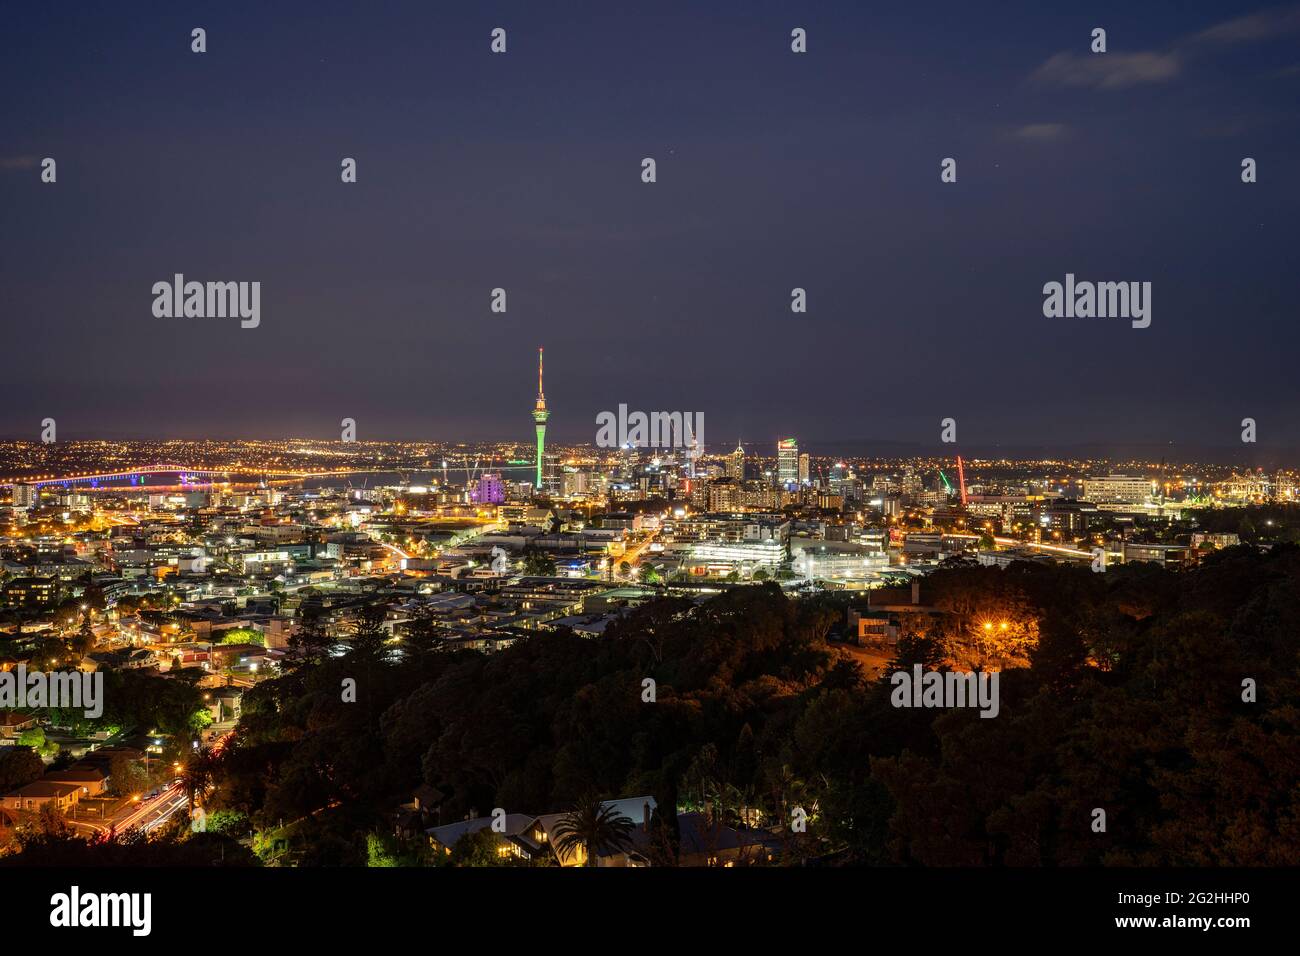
[(540, 415)]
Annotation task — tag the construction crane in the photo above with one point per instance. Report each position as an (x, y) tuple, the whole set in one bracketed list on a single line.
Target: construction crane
[(961, 480)]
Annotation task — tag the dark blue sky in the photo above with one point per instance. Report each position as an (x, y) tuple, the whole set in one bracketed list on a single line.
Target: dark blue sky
[(775, 170)]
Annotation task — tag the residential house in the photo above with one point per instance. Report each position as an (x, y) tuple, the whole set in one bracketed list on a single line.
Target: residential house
[(542, 833), (63, 796), (13, 724), (91, 779), (508, 840)]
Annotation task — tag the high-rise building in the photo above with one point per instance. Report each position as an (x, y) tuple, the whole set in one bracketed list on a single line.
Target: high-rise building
[(629, 461), (26, 496), (575, 483), (787, 462), (490, 490), (843, 483), (805, 468), (736, 463), (552, 474), (540, 415)]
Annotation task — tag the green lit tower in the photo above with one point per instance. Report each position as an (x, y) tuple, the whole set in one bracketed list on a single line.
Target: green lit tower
[(540, 415)]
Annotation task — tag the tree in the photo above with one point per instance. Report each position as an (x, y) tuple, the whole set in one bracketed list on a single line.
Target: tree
[(243, 635), (51, 822), (33, 737), (480, 848), (125, 775), (423, 634), (378, 853), (538, 563), (19, 766), (197, 776), (312, 638), (594, 827), (368, 628)]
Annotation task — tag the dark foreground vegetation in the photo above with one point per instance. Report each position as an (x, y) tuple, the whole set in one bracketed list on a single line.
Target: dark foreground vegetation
[(1132, 697)]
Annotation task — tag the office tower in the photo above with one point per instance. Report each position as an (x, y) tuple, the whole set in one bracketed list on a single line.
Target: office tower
[(805, 468), (629, 461), (736, 463), (26, 496), (552, 473), (540, 415), (787, 462)]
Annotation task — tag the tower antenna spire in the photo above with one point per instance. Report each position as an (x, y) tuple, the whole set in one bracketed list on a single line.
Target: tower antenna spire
[(540, 415)]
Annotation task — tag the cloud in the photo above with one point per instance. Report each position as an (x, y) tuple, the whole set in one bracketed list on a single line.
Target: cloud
[(1041, 132), (1108, 71), (1120, 71), (1254, 26)]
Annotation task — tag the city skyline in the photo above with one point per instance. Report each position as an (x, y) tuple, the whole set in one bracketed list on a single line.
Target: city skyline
[(1248, 455)]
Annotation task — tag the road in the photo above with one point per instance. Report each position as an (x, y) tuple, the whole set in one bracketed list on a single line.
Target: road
[(148, 815), (633, 555)]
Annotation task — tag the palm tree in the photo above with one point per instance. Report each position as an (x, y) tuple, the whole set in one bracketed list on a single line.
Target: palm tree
[(595, 826), (197, 775)]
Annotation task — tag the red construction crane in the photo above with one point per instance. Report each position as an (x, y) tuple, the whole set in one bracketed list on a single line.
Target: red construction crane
[(961, 481)]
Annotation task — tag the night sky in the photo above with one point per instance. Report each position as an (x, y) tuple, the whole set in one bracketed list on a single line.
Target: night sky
[(775, 170)]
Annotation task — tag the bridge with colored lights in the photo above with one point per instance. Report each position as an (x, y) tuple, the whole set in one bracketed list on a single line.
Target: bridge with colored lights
[(190, 474), (186, 473)]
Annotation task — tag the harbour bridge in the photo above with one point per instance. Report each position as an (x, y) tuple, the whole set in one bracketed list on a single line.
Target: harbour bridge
[(187, 474)]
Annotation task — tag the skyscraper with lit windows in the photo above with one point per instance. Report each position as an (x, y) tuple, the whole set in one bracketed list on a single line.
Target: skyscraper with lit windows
[(787, 462), (736, 463)]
